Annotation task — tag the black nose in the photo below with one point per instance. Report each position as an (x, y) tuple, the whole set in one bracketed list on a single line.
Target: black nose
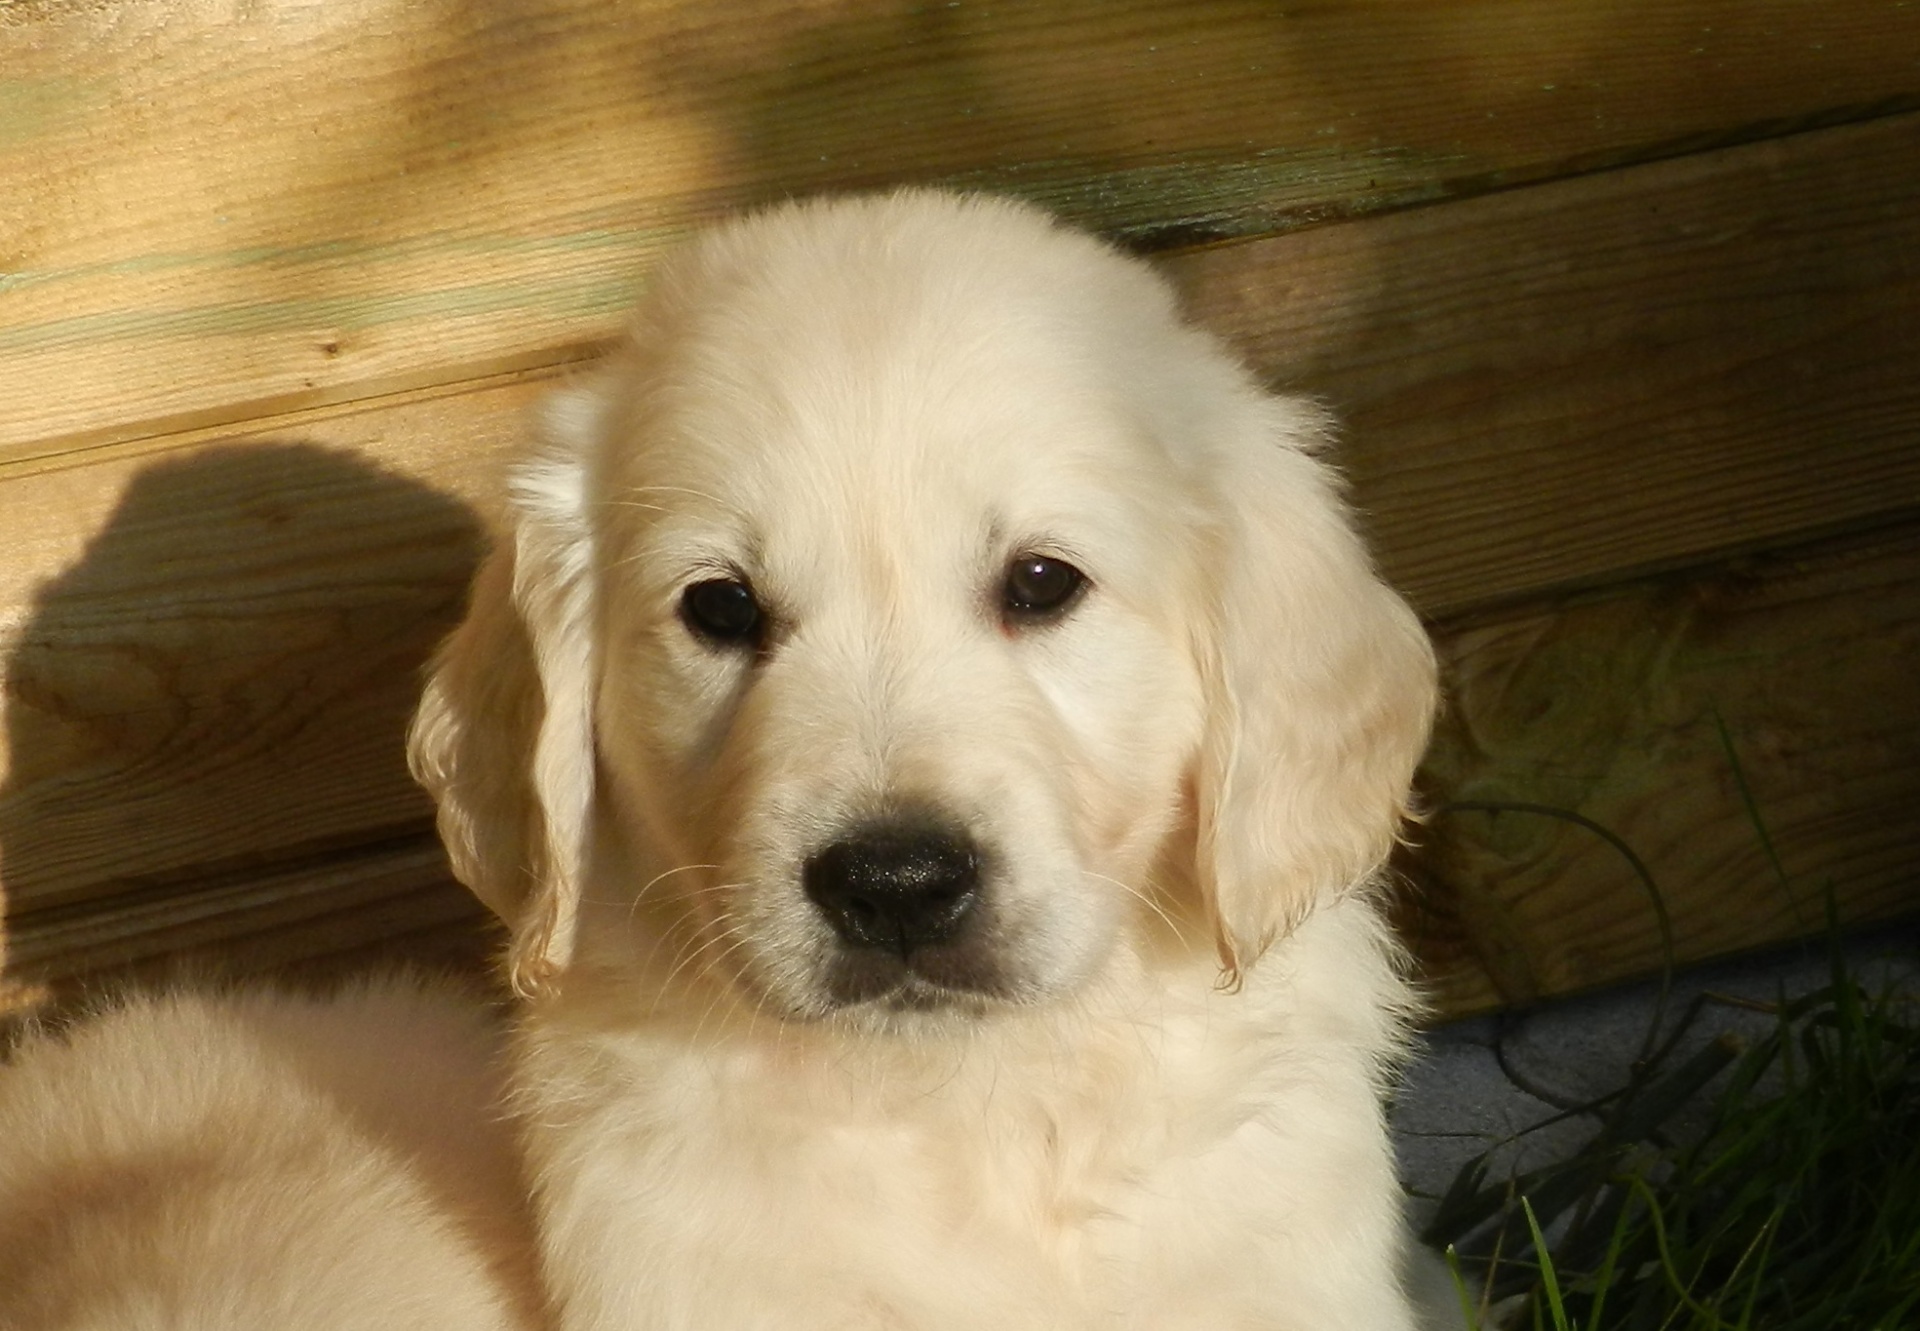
[(895, 888)]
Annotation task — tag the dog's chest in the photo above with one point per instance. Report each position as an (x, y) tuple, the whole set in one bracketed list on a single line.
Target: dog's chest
[(1048, 1185)]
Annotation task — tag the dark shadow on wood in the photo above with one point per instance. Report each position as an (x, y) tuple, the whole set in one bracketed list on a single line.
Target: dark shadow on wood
[(206, 719)]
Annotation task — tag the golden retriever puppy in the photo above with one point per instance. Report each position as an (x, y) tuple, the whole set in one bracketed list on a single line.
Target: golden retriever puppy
[(934, 734), (263, 1162)]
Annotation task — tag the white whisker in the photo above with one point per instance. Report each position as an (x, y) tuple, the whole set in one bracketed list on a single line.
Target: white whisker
[(1143, 898)]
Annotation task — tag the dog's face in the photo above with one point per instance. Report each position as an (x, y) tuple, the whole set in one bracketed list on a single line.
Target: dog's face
[(894, 641), (869, 636)]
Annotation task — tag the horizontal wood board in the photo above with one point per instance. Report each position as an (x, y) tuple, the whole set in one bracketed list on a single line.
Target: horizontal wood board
[(1630, 370), (275, 919), (213, 211), (1647, 709), (210, 654)]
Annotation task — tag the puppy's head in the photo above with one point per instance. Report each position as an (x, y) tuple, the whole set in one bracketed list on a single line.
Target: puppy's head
[(889, 619)]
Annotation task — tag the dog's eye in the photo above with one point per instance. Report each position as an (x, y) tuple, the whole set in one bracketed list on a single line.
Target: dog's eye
[(1039, 587), (722, 610)]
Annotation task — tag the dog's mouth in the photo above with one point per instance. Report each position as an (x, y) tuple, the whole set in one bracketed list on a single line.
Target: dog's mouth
[(921, 980)]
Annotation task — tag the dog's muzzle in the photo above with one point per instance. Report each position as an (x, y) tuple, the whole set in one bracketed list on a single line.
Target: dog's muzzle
[(906, 903)]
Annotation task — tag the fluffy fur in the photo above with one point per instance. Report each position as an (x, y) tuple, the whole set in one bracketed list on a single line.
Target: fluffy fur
[(200, 1163), (1141, 1088)]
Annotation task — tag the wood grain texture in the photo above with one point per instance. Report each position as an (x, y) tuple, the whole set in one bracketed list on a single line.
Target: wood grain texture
[(1644, 709), (1626, 371), (209, 654), (264, 919), (215, 210)]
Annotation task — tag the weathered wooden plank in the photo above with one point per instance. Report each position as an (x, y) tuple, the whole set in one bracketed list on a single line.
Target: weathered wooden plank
[(213, 210), (209, 655), (1644, 709), (251, 920), (1630, 370)]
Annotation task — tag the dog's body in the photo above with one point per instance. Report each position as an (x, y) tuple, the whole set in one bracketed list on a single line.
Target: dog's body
[(933, 733), (255, 1161)]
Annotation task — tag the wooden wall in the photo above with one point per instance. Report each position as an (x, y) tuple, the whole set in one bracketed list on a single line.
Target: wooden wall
[(1620, 303)]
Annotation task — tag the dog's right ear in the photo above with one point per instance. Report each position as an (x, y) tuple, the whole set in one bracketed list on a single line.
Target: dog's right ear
[(503, 740)]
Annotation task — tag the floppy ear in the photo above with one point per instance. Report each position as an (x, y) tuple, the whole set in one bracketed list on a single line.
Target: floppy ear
[(1320, 689), (503, 739)]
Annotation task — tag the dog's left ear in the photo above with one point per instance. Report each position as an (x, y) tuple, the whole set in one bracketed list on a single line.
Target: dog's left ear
[(503, 739), (1320, 687)]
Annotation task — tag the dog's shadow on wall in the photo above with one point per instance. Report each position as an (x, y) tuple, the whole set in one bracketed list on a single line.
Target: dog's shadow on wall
[(205, 715)]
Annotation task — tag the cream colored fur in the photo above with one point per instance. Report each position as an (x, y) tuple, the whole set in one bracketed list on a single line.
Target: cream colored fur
[(263, 1162), (1164, 1112)]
